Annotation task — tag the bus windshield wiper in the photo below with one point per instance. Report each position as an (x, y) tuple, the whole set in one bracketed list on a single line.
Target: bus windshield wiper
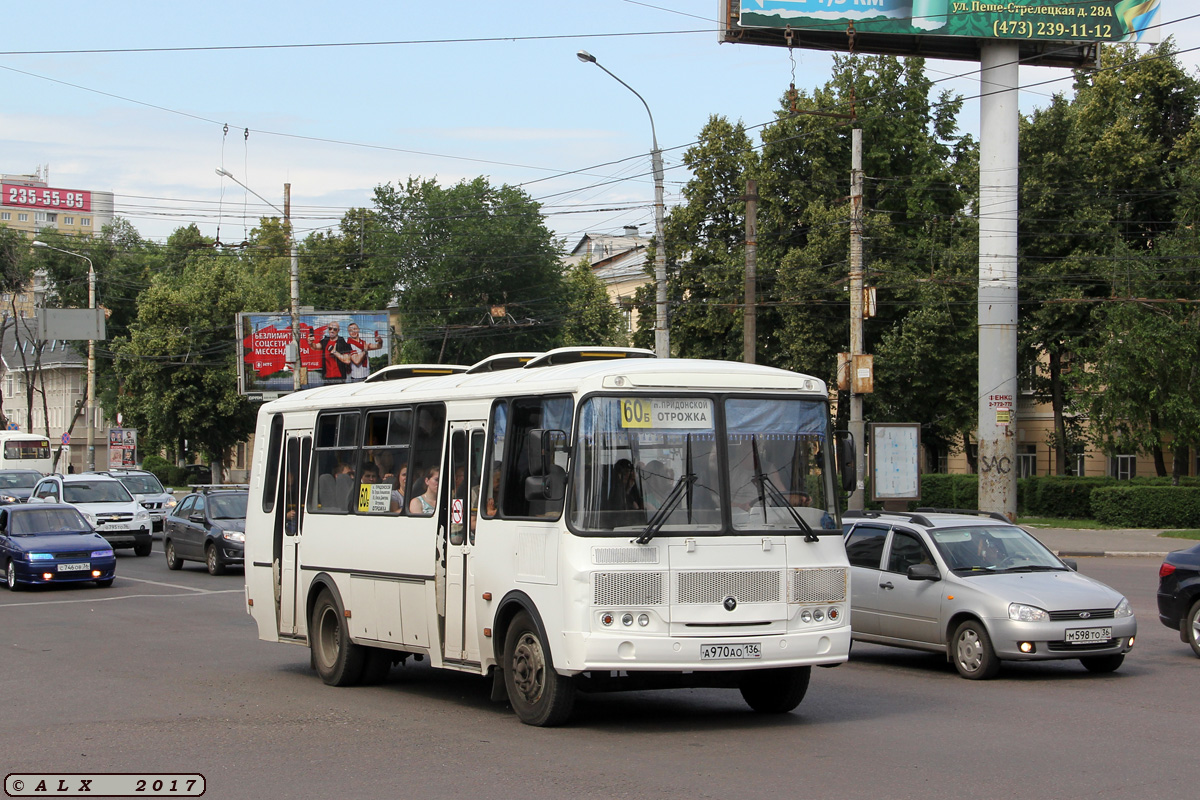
[(769, 489), (660, 517), (682, 486)]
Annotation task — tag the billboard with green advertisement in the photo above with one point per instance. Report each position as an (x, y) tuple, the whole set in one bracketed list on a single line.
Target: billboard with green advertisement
[(1044, 20)]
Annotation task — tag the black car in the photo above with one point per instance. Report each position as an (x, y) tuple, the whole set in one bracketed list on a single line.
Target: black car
[(1179, 594), (209, 525), (17, 484)]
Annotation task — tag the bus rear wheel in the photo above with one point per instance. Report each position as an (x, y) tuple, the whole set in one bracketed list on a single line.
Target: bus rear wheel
[(538, 694), (775, 691), (338, 660)]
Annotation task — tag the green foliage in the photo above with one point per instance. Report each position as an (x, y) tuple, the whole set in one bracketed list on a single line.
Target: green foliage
[(1059, 496), (591, 318), (178, 365), (455, 253), (939, 490), (1147, 506)]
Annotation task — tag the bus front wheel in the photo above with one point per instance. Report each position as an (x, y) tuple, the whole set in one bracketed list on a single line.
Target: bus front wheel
[(538, 694), (775, 691), (338, 660)]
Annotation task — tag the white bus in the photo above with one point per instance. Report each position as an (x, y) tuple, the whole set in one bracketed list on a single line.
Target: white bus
[(596, 519), (25, 451)]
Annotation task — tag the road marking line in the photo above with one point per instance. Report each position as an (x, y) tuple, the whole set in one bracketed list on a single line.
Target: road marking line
[(122, 597)]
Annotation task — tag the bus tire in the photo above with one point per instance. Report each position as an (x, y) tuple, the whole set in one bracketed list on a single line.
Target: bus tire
[(775, 691), (338, 660), (539, 695)]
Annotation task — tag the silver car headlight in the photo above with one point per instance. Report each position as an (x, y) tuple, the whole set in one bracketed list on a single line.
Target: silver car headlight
[(1023, 613), (141, 514), (1123, 609), (234, 536)]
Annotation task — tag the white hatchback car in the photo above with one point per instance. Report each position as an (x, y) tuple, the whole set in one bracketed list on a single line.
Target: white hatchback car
[(979, 589), (105, 503)]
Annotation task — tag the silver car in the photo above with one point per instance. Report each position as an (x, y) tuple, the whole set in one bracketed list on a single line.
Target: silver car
[(979, 589)]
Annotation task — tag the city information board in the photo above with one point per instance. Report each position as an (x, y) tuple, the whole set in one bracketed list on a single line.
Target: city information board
[(1054, 32)]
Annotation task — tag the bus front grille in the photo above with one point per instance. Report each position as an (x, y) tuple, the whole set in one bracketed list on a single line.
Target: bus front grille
[(749, 586), (628, 588), (818, 585)]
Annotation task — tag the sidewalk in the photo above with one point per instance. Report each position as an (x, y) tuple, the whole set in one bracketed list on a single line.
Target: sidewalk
[(1070, 543)]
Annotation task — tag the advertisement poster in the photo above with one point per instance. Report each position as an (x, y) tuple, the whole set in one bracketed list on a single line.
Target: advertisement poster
[(1054, 20), (122, 447), (335, 347)]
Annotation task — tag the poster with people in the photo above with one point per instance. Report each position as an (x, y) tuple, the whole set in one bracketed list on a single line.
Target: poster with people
[(122, 447), (335, 347)]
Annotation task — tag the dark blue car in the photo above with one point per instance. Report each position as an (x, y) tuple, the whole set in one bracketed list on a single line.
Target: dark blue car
[(1179, 594), (50, 543)]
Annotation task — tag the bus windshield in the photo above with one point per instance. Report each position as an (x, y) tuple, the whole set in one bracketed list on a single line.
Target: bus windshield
[(675, 463)]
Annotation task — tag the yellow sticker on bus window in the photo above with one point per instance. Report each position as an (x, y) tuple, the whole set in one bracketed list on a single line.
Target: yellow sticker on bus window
[(374, 498)]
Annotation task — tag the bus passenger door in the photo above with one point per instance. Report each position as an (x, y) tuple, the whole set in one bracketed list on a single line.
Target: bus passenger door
[(461, 643), (290, 522)]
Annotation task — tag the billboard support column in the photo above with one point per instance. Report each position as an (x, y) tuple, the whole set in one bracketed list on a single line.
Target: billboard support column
[(998, 153), (294, 351)]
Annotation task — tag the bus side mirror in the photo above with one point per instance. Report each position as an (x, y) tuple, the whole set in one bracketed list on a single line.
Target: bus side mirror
[(847, 463), (540, 447)]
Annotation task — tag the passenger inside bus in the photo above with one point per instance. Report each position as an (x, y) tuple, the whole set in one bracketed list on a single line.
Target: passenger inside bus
[(424, 504)]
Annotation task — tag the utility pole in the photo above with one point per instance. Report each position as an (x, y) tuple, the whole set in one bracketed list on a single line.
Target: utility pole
[(295, 271), (857, 427), (750, 314)]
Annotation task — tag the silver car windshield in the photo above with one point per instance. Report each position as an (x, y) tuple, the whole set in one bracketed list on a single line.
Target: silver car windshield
[(993, 548), (96, 492)]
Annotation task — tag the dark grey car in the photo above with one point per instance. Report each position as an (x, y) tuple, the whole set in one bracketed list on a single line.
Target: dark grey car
[(209, 526)]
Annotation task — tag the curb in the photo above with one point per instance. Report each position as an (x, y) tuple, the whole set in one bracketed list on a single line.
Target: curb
[(1109, 554)]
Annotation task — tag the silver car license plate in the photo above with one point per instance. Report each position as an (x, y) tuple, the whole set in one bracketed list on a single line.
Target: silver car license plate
[(741, 650), (81, 567), (1087, 635)]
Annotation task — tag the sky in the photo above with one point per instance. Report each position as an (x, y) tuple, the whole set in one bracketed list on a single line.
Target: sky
[(392, 90)]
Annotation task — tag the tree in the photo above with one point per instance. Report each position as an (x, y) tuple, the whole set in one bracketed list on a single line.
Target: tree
[(1101, 180), (178, 365), (456, 253), (591, 317), (14, 276), (705, 238)]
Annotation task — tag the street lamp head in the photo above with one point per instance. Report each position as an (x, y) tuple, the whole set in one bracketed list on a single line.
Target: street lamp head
[(224, 173), (37, 243), (586, 57)]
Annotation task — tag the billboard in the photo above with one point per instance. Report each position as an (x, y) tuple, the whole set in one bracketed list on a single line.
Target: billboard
[(40, 197), (1051, 32), (122, 447), (335, 347)]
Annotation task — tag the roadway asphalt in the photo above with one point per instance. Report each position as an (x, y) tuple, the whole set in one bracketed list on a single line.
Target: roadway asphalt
[(1138, 542)]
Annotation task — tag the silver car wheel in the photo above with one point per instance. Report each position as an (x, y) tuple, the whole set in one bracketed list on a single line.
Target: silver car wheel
[(970, 653)]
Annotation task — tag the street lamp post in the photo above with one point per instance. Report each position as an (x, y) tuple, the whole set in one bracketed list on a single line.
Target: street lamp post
[(91, 360), (662, 337), (295, 266)]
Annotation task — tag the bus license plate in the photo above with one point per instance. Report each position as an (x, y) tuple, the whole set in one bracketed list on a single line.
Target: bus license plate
[(74, 567), (1088, 635), (719, 652)]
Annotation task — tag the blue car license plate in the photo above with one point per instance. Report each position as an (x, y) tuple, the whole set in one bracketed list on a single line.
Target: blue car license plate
[(79, 567)]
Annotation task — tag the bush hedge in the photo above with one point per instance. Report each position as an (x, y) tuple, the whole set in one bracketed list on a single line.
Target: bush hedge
[(1164, 506), (1147, 506), (167, 473)]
